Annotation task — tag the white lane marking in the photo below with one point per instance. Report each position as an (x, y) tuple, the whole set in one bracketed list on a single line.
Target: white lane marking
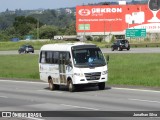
[(145, 100), (136, 90), (35, 118), (49, 91), (88, 108), (3, 97), (24, 81)]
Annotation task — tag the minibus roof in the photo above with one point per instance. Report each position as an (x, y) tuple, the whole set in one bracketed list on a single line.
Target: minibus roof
[(66, 46)]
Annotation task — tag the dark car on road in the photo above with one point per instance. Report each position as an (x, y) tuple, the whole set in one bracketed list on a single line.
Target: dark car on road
[(120, 44), (26, 49)]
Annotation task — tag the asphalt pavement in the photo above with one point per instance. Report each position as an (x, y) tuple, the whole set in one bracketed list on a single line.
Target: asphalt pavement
[(104, 50)]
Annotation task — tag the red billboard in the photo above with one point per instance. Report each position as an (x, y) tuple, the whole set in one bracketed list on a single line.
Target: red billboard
[(116, 18)]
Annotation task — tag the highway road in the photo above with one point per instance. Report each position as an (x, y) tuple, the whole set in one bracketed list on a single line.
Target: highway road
[(35, 96), (104, 50), (133, 50)]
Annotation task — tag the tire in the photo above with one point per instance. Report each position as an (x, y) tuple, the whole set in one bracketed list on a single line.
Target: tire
[(101, 86), (19, 52), (71, 87), (51, 85), (112, 49)]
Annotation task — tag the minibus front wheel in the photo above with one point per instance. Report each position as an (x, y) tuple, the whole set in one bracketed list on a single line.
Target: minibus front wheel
[(71, 86)]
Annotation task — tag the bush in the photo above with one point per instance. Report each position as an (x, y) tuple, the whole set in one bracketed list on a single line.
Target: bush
[(112, 39), (147, 39), (89, 38), (98, 39)]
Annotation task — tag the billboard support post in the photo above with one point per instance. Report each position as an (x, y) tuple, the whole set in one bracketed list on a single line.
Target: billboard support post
[(84, 33), (104, 29), (84, 27), (110, 35)]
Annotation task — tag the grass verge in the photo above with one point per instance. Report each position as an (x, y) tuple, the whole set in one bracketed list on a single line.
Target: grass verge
[(37, 44), (24, 66), (134, 69), (124, 69)]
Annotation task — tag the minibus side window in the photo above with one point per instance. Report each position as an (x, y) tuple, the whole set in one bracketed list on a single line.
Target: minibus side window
[(43, 57), (55, 57), (68, 58), (49, 57)]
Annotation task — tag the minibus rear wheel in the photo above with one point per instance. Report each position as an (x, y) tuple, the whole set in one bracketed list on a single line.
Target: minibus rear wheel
[(51, 85)]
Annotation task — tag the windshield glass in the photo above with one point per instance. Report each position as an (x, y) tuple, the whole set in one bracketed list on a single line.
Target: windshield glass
[(88, 57), (123, 41)]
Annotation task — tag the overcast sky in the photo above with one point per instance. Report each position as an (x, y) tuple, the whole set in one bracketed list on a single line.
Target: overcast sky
[(46, 4)]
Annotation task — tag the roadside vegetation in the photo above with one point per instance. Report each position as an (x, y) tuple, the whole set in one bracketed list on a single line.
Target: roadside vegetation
[(5, 46), (15, 45), (124, 69), (45, 25), (38, 44)]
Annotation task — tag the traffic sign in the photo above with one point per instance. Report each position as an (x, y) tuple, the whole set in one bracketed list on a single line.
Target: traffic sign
[(135, 33)]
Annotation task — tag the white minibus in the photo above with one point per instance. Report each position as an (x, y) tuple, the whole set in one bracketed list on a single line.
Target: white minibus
[(72, 65)]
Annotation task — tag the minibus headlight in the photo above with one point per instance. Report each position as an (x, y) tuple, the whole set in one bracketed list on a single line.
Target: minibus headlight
[(78, 74), (104, 72)]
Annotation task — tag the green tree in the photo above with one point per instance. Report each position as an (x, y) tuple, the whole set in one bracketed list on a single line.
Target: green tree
[(47, 32), (23, 25), (6, 21), (3, 37), (71, 29)]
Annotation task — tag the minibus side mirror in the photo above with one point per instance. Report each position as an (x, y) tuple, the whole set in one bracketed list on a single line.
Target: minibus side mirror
[(68, 62), (107, 59)]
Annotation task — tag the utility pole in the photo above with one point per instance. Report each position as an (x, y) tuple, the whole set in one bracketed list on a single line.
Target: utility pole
[(37, 29)]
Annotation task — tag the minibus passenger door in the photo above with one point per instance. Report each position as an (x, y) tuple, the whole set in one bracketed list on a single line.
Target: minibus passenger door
[(62, 68)]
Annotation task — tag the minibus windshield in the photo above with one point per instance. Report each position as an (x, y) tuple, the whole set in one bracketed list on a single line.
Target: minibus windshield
[(88, 57)]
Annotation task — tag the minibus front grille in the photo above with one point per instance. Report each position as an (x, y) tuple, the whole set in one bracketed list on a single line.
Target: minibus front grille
[(93, 76)]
